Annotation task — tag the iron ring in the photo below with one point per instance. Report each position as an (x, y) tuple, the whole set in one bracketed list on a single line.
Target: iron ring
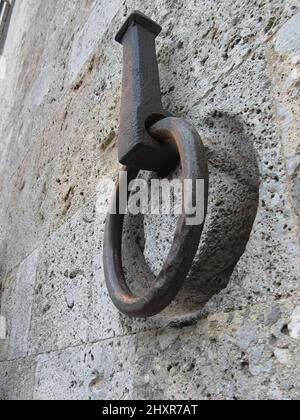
[(186, 239)]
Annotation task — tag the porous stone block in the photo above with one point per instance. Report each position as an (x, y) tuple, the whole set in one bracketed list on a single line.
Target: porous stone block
[(90, 35), (101, 371), (294, 325), (60, 314), (242, 355), (71, 305), (232, 69), (16, 305), (272, 252), (288, 37), (2, 328), (17, 379), (59, 148)]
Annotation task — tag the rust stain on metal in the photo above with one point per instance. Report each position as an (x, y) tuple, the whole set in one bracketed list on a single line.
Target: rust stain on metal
[(141, 104), (151, 139)]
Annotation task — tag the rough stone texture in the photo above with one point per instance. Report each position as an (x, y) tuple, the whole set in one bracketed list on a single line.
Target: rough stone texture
[(17, 379), (2, 328), (100, 371), (232, 68)]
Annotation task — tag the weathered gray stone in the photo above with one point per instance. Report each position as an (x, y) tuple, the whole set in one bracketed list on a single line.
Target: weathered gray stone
[(284, 356), (87, 39), (259, 271), (60, 315), (17, 379), (71, 305), (232, 69), (63, 109), (288, 38), (6, 296), (16, 305), (294, 325), (3, 248), (2, 328), (99, 371), (227, 356)]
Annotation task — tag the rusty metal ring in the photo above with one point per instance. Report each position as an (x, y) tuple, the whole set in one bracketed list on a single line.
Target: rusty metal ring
[(186, 240)]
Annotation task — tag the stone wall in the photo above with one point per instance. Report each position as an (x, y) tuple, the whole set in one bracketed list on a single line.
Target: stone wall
[(230, 67)]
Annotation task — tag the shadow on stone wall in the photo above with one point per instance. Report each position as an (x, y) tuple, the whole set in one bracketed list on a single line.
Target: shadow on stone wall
[(233, 202)]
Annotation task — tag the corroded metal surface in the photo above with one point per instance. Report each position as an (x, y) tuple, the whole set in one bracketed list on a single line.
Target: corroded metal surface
[(141, 98), (150, 139), (186, 240)]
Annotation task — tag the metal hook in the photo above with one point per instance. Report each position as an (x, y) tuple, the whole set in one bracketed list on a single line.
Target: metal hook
[(141, 104), (150, 139)]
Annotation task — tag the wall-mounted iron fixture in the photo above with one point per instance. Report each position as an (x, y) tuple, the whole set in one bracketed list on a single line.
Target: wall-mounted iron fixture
[(151, 139)]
